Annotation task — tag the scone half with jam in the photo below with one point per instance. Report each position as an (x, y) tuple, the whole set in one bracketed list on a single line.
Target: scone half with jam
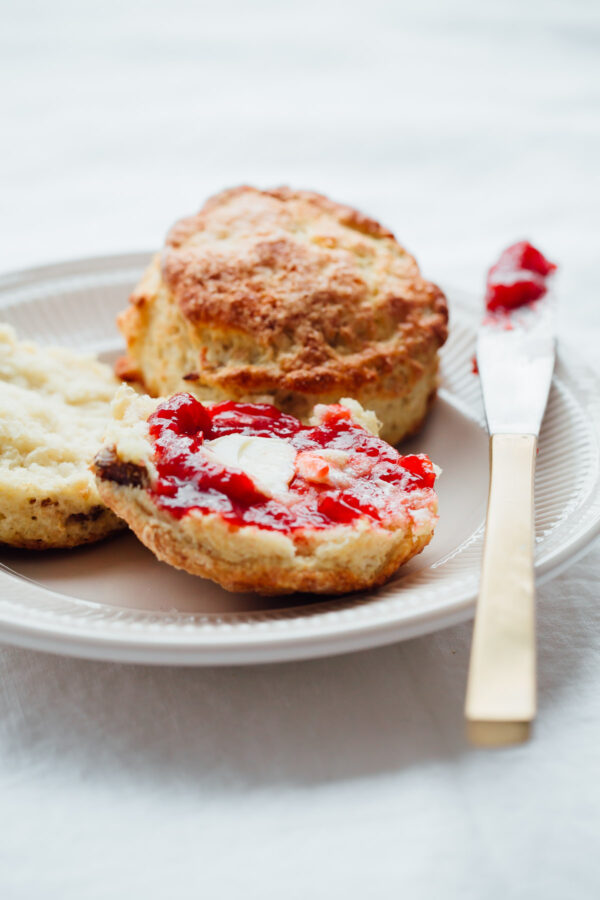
[(54, 407), (253, 499)]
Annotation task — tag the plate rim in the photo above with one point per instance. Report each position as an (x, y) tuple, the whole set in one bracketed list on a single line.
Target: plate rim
[(158, 645)]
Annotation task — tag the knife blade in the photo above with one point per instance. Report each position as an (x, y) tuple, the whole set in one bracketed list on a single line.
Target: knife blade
[(515, 358)]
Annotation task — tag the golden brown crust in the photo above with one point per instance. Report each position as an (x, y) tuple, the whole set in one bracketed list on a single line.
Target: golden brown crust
[(248, 559), (288, 294)]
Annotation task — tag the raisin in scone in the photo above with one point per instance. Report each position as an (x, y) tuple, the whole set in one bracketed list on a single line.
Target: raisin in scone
[(289, 297), (250, 497), (54, 408)]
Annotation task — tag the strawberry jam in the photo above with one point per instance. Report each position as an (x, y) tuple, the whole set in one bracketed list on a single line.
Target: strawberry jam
[(341, 473), (519, 277)]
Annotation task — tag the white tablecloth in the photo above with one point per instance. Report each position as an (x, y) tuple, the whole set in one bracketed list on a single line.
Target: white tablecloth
[(463, 126)]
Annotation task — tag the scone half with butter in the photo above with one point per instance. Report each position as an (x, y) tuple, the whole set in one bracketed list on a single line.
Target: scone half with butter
[(287, 296), (54, 407), (253, 499)]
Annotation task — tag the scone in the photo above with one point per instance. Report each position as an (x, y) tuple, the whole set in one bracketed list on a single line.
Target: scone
[(287, 297), (54, 407), (255, 500)]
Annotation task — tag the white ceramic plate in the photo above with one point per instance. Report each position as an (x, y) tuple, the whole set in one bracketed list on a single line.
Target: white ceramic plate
[(115, 601)]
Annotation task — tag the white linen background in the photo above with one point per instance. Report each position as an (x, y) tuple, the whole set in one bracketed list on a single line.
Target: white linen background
[(463, 126)]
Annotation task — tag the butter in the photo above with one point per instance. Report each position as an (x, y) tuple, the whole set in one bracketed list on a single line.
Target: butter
[(268, 462)]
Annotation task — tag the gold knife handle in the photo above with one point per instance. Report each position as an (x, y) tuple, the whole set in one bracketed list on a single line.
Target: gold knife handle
[(501, 691)]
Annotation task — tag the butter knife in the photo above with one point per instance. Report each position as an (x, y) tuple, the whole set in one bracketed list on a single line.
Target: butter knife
[(515, 358)]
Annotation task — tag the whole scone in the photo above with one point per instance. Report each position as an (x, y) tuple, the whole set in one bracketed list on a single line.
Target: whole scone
[(287, 297)]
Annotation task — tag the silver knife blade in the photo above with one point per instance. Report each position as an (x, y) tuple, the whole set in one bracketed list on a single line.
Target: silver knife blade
[(515, 358)]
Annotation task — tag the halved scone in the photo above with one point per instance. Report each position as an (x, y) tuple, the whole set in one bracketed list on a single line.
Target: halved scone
[(54, 407), (255, 500), (289, 297)]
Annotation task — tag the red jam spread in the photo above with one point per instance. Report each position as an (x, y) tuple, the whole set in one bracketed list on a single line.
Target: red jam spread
[(519, 277), (376, 478)]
